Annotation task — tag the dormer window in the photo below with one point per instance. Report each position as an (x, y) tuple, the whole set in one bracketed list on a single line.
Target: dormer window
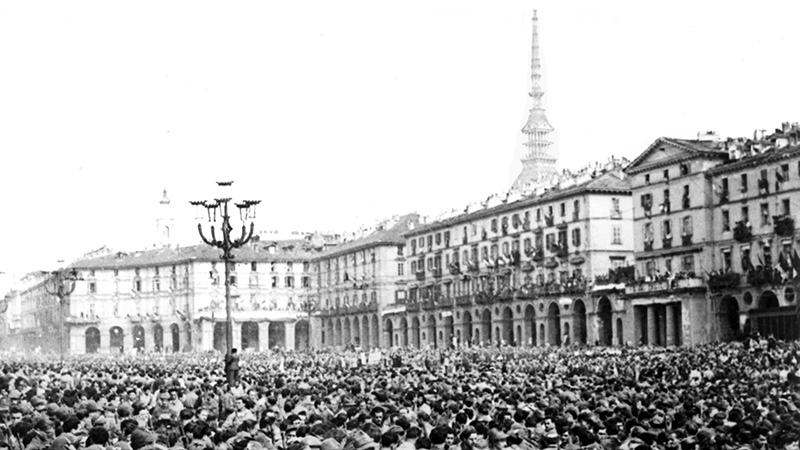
[(666, 174), (684, 169)]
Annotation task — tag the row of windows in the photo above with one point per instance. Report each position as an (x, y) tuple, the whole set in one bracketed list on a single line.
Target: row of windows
[(504, 225), (781, 176), (764, 258), (683, 170), (347, 301), (685, 264), (764, 214), (666, 229)]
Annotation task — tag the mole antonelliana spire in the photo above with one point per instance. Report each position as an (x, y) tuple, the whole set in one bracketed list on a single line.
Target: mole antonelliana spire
[(538, 163)]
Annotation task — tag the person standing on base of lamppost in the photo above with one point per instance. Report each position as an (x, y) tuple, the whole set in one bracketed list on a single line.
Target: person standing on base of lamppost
[(247, 210)]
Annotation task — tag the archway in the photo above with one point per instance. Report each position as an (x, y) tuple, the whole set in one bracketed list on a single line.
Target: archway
[(770, 319), (175, 334), (604, 321), (388, 332), (467, 328), (337, 333), (158, 337), (432, 332), (92, 337), (530, 326), (579, 322), (219, 337), (277, 335), (486, 327), (348, 338), (365, 333), (554, 324), (116, 340), (567, 339), (375, 331), (356, 330), (250, 337), (620, 338), (542, 337), (449, 330), (403, 332), (728, 318), (768, 300), (302, 335), (415, 341), (138, 338), (507, 330)]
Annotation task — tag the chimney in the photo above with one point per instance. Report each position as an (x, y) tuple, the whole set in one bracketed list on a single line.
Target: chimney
[(785, 126)]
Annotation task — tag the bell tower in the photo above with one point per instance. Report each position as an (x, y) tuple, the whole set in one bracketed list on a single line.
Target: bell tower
[(164, 222)]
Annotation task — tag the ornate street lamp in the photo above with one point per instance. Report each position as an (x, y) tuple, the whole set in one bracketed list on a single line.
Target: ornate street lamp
[(217, 211), (309, 306), (62, 285)]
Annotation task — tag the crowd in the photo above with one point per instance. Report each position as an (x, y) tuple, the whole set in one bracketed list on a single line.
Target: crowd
[(717, 396)]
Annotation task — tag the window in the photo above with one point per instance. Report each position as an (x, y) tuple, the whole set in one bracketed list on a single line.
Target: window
[(743, 183), (306, 282), (254, 266), (538, 215), (666, 230), (616, 238), (686, 201), (137, 285), (648, 232), (233, 280), (647, 178), (272, 266), (576, 209), (515, 221), (687, 263), (668, 264), (650, 268), (576, 237), (413, 247), (666, 174), (157, 285), (766, 250), (438, 238), (665, 205), (289, 282), (506, 248), (785, 207), (746, 258), (726, 221), (550, 211), (563, 209), (726, 259), (684, 169), (764, 214), (616, 212), (494, 226), (686, 226), (413, 267), (275, 281), (526, 244), (784, 172), (550, 239), (447, 239), (745, 215), (92, 287)]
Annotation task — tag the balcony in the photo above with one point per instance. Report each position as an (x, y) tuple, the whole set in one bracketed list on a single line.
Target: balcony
[(665, 207), (686, 239), (763, 186), (549, 220), (464, 300), (420, 274), (742, 232), (784, 225), (648, 246), (412, 306), (504, 228), (437, 272), (685, 202), (526, 225), (455, 268), (82, 320), (576, 216), (666, 242), (620, 275), (647, 287), (764, 277), (718, 282)]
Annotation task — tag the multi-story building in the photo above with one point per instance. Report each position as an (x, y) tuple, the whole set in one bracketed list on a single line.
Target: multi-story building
[(516, 273), (714, 230), (355, 281)]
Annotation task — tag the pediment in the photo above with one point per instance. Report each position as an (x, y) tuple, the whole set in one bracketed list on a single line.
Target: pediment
[(664, 150)]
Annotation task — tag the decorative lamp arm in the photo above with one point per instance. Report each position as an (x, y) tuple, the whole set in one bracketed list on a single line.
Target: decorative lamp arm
[(213, 240)]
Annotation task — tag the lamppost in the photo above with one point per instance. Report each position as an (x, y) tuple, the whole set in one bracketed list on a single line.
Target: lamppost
[(218, 209), (64, 283)]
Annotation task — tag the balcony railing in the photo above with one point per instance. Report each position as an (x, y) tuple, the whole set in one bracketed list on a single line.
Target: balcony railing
[(719, 281), (548, 220), (437, 272), (619, 275), (724, 196), (784, 225), (666, 242), (648, 246), (742, 232), (686, 239), (464, 300), (764, 276), (420, 275)]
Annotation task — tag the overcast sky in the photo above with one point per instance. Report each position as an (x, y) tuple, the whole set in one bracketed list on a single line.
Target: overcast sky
[(340, 113)]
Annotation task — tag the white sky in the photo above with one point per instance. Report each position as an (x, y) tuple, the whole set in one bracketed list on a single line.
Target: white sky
[(340, 113)]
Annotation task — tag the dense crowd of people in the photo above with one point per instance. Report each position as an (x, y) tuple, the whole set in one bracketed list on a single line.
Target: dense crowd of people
[(722, 396)]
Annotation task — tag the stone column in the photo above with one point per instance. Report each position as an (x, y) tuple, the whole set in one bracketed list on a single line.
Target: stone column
[(127, 340), (149, 337), (105, 341), (662, 324), (207, 335), (263, 336), (289, 327), (670, 325), (652, 336)]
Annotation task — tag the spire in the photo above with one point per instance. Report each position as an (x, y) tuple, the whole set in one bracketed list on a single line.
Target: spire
[(164, 198), (538, 163)]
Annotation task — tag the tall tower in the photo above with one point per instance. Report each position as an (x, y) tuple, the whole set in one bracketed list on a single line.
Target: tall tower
[(164, 221), (539, 162)]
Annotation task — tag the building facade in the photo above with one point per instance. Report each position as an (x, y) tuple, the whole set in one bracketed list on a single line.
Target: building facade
[(714, 231), (354, 282), (519, 273)]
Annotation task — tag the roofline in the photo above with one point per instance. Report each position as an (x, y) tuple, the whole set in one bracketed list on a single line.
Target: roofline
[(338, 252), (500, 209), (773, 156), (692, 154)]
